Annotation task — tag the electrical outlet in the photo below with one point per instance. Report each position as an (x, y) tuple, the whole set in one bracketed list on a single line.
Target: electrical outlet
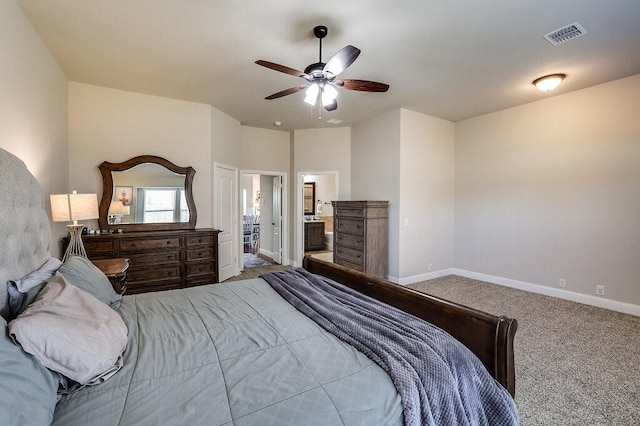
[(430, 266), (562, 282), (600, 290)]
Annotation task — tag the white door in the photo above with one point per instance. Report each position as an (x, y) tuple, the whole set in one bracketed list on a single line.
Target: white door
[(225, 207), (277, 219)]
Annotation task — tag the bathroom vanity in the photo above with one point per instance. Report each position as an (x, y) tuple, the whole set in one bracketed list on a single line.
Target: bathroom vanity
[(313, 235)]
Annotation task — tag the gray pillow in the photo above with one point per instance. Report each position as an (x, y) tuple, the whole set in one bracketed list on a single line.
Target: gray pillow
[(71, 332), (23, 291), (28, 390), (80, 272)]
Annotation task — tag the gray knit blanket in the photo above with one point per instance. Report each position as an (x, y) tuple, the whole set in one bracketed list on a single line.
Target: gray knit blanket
[(440, 381)]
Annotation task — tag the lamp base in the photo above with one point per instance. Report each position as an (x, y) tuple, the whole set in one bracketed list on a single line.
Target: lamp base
[(75, 248)]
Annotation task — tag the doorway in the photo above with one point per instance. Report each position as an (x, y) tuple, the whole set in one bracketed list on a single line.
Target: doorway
[(314, 213), (263, 216)]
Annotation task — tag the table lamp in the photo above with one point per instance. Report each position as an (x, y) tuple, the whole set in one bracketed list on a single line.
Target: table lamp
[(74, 207), (116, 210)]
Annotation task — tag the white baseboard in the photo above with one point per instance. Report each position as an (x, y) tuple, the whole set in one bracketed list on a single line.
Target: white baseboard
[(421, 277), (601, 302)]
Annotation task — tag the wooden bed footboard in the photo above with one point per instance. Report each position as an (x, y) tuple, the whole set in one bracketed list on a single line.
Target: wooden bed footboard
[(488, 336)]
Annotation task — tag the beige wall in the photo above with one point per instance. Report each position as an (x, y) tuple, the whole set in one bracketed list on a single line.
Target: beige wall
[(375, 169), (318, 150), (551, 190), (225, 139), (407, 158), (115, 125), (33, 107), (264, 149), (427, 172)]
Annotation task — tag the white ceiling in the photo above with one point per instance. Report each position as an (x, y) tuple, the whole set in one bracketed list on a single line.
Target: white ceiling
[(450, 59)]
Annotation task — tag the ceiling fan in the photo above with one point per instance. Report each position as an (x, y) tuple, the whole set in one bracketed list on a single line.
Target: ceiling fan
[(321, 77)]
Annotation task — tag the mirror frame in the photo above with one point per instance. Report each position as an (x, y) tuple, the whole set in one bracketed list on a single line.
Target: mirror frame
[(106, 168), (312, 186)]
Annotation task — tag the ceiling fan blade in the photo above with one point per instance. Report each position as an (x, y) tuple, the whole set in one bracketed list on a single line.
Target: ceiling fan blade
[(332, 106), (362, 85), (341, 60), (286, 92), (281, 68)]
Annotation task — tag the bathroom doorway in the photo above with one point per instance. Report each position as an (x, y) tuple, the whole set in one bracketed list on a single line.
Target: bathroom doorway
[(315, 225)]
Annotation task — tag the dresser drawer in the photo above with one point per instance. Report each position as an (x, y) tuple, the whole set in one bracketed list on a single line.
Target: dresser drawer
[(342, 212), (202, 280), (352, 255), (157, 258), (200, 240), (348, 240), (150, 243), (200, 268), (99, 246), (200, 253), (356, 266), (150, 274), (352, 226)]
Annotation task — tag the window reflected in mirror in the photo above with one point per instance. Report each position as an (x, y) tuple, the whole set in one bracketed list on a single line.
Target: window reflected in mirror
[(147, 193)]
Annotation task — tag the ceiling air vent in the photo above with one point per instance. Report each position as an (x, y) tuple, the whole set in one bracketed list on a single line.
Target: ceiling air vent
[(564, 34)]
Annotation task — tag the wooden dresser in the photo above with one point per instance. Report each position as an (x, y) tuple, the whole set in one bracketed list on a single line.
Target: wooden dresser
[(360, 239), (160, 260)]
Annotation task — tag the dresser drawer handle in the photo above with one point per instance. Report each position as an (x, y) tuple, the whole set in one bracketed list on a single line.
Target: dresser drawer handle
[(168, 242)]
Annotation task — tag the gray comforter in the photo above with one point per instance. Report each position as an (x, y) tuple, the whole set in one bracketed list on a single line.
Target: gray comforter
[(441, 382), (232, 354)]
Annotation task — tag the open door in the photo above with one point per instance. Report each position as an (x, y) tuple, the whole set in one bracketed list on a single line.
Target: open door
[(276, 227), (225, 219)]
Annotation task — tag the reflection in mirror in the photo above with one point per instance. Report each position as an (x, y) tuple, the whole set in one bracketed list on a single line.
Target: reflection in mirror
[(146, 193), (309, 197)]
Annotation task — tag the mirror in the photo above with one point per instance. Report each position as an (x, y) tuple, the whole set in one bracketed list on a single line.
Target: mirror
[(309, 196), (146, 193)]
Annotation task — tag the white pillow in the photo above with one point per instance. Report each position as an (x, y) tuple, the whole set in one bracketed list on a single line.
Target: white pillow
[(71, 332)]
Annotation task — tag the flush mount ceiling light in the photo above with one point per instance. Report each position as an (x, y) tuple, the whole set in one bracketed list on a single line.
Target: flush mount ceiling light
[(548, 82)]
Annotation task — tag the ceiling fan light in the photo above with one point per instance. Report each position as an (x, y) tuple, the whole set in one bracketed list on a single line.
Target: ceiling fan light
[(312, 94), (548, 82), (329, 94)]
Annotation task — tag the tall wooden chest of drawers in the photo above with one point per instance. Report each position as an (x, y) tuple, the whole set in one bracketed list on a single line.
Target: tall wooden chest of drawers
[(360, 239), (160, 260)]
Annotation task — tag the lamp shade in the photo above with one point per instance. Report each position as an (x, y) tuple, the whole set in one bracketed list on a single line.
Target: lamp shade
[(116, 207), (73, 207)]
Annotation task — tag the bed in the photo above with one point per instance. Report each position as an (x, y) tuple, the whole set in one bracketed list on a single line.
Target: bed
[(240, 353)]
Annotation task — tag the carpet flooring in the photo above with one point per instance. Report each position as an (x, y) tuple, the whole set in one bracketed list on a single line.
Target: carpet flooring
[(575, 364)]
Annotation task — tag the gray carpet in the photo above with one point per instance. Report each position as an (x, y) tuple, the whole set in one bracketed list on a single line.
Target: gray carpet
[(575, 364)]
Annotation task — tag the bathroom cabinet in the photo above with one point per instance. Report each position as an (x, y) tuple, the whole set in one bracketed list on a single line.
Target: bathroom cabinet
[(360, 238), (313, 235)]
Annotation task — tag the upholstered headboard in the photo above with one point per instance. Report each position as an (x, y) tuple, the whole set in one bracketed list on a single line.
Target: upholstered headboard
[(24, 225)]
